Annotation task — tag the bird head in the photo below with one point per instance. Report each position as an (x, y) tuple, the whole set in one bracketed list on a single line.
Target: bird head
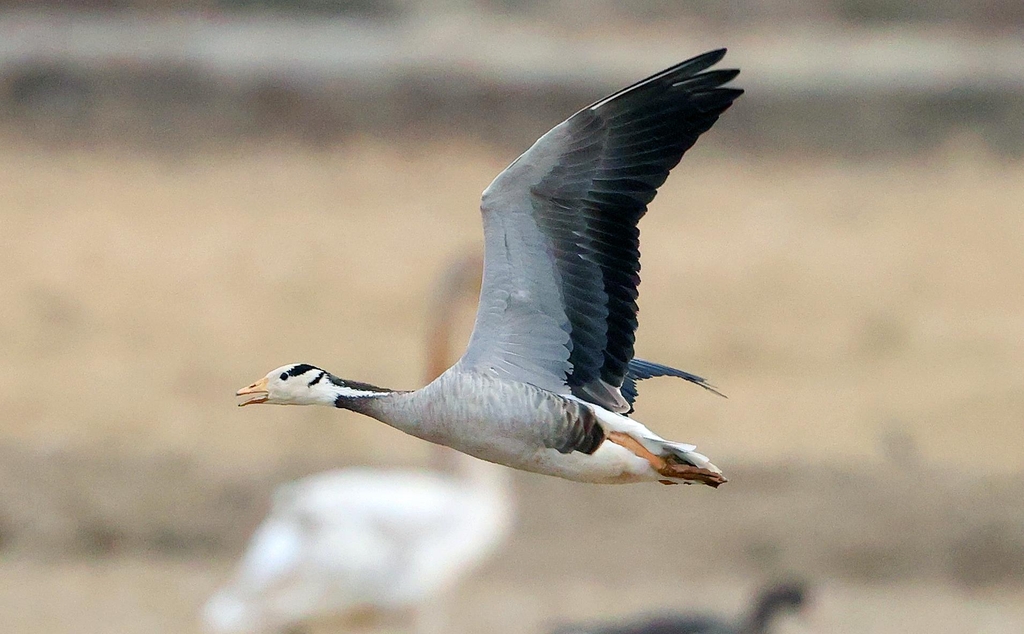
[(295, 384)]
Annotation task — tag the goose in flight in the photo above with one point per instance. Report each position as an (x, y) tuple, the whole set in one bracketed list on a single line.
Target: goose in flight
[(549, 378)]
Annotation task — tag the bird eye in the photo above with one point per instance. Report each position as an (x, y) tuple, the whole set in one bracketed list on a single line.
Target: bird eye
[(284, 376)]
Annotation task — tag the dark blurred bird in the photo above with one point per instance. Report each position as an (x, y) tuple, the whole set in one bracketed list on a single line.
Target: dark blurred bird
[(773, 601)]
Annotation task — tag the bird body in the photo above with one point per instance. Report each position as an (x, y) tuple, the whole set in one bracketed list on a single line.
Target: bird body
[(548, 380), (536, 431)]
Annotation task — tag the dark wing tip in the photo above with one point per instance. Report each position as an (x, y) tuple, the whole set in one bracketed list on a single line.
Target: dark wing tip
[(689, 73), (696, 380), (704, 60), (711, 388), (639, 369), (709, 79)]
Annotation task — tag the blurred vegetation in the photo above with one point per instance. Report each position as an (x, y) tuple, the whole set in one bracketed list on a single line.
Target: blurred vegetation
[(986, 14), (172, 98)]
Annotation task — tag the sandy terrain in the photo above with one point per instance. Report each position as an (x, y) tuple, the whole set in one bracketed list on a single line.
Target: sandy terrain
[(865, 319)]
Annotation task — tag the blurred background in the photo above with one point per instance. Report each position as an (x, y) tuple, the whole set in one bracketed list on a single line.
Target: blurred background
[(194, 193)]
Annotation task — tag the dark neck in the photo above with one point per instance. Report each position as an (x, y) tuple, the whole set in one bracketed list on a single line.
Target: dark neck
[(760, 619), (354, 395), (764, 613)]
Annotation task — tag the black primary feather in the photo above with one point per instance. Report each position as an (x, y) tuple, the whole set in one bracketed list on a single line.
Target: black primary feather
[(638, 370), (621, 150)]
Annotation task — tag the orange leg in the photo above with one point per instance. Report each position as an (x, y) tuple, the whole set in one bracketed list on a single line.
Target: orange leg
[(664, 467)]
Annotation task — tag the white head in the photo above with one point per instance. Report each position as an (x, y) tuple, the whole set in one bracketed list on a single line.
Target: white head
[(295, 384)]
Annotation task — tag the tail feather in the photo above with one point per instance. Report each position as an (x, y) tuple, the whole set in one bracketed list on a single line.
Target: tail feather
[(686, 454), (689, 467), (681, 451), (683, 463), (681, 460)]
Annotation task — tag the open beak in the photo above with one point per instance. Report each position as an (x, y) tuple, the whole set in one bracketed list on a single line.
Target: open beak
[(257, 393)]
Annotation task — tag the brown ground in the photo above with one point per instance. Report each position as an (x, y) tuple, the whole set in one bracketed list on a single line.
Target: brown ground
[(865, 319)]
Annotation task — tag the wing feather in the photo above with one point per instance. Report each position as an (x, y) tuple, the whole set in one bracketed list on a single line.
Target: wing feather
[(639, 370), (562, 247)]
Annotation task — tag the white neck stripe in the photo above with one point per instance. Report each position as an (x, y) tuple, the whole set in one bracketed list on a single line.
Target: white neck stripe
[(348, 392)]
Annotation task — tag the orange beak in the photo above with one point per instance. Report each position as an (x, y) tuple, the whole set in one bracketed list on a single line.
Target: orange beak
[(257, 391)]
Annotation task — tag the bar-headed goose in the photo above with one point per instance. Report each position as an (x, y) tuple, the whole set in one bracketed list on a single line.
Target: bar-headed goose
[(548, 379)]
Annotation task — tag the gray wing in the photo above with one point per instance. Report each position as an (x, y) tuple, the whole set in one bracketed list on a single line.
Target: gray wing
[(638, 370), (562, 260)]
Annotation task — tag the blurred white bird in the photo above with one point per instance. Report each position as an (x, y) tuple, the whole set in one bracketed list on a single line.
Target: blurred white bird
[(364, 541), (351, 543)]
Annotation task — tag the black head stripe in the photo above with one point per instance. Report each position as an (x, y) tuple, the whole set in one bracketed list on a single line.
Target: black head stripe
[(301, 368), (317, 379)]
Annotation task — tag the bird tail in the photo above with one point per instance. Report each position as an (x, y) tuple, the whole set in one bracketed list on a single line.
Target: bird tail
[(687, 454), (676, 461), (684, 463)]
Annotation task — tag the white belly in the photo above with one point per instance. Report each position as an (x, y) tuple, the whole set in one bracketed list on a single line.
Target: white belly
[(610, 464)]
